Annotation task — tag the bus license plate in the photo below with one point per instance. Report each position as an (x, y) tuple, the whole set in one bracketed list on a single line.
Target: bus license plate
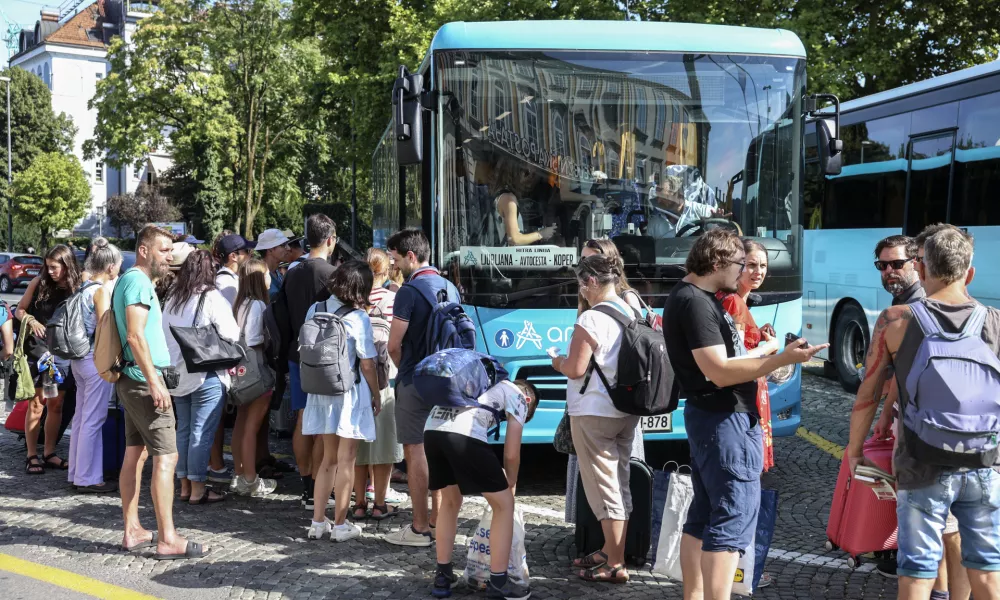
[(657, 423)]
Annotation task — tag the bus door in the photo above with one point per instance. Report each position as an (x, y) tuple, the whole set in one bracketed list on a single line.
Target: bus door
[(930, 169)]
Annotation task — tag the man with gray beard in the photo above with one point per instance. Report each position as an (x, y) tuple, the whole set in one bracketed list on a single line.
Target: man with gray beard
[(894, 259)]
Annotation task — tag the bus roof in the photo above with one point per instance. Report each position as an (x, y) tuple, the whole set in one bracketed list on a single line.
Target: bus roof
[(635, 36), (921, 87)]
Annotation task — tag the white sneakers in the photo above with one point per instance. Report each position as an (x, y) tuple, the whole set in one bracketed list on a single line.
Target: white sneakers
[(338, 533), (258, 488), (407, 537)]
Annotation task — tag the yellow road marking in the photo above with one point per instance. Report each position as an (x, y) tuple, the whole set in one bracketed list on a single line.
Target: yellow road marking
[(68, 580), (821, 442)]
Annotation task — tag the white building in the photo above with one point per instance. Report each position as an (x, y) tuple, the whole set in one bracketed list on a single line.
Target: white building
[(70, 56)]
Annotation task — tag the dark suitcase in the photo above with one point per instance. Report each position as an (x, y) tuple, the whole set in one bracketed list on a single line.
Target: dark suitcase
[(590, 538), (113, 440)]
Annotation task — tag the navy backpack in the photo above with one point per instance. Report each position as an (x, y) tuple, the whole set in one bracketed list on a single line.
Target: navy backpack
[(456, 378), (448, 325)]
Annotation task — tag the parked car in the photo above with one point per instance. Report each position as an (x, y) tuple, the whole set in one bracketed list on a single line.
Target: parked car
[(18, 269)]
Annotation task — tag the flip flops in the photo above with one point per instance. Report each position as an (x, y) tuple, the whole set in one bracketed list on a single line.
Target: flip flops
[(193, 550), (151, 543)]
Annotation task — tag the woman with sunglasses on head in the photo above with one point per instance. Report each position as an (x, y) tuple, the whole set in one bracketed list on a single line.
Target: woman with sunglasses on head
[(57, 282)]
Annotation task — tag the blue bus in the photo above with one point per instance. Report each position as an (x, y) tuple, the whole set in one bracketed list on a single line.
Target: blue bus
[(920, 154), (612, 129)]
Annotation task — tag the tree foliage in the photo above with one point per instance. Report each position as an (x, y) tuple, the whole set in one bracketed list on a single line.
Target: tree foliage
[(53, 192), (35, 128), (146, 205)]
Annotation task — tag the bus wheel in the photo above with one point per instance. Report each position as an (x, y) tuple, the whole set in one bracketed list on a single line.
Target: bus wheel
[(850, 342)]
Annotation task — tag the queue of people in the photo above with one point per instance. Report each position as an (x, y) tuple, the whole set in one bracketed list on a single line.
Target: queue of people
[(352, 426)]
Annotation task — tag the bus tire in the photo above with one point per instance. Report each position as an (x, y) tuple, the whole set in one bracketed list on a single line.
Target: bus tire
[(850, 343)]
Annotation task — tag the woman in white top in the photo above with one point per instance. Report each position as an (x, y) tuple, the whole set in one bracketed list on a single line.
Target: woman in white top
[(86, 447), (199, 397), (510, 178), (251, 302), (344, 420), (602, 434)]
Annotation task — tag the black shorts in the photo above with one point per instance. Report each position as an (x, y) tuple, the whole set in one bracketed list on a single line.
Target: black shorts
[(456, 459)]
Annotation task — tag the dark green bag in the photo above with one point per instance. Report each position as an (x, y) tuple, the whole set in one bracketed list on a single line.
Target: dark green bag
[(25, 382)]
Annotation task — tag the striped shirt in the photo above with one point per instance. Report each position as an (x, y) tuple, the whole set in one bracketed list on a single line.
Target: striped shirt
[(383, 299)]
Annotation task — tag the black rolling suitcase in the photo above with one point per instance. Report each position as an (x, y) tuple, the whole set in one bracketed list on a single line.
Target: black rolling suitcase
[(590, 538)]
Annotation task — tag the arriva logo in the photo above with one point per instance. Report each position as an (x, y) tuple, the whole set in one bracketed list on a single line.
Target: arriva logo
[(505, 338), (528, 334)]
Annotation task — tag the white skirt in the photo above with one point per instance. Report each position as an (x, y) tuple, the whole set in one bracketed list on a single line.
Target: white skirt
[(348, 416)]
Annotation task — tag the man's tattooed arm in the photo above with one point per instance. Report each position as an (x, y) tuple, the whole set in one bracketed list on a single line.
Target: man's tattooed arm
[(878, 372)]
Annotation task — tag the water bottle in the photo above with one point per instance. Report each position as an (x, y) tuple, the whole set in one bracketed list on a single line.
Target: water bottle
[(49, 387)]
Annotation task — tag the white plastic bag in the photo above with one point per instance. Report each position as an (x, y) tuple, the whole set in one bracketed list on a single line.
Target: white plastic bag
[(743, 580), (668, 547), (477, 565)]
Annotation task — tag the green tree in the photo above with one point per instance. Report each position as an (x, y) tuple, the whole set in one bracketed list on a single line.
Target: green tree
[(34, 127), (147, 205), (228, 77), (53, 192)]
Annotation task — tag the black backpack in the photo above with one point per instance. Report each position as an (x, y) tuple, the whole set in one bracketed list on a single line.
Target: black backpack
[(646, 384)]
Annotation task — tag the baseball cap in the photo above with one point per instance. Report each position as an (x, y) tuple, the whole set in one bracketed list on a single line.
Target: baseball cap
[(234, 243), (271, 238), (179, 254), (193, 240)]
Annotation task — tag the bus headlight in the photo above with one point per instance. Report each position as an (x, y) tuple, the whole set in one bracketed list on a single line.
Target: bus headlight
[(781, 374)]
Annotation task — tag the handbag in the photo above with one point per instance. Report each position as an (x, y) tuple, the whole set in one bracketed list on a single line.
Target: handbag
[(25, 382), (563, 437), (252, 378), (203, 349)]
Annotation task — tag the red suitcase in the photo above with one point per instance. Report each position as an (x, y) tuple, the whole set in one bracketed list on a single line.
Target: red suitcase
[(860, 522)]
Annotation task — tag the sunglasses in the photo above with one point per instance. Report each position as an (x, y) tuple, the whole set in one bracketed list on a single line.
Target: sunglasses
[(895, 264), (743, 265)]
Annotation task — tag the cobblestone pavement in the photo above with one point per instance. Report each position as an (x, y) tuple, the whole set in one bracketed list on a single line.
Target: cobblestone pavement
[(259, 549)]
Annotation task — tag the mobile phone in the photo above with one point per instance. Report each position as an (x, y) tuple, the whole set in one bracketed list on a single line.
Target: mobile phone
[(790, 337), (552, 352)]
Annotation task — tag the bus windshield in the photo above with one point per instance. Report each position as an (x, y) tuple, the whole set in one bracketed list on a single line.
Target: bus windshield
[(541, 151)]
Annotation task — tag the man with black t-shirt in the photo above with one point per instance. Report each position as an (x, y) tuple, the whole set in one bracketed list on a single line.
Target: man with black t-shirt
[(303, 287), (720, 414)]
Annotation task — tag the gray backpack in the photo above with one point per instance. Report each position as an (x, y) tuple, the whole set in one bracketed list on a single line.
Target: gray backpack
[(66, 332), (252, 378), (952, 417), (324, 365)]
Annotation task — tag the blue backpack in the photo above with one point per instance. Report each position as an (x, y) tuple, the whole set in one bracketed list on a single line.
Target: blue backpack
[(448, 325), (456, 378), (952, 418)]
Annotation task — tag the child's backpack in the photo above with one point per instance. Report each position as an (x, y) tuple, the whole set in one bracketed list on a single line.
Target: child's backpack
[(952, 418), (448, 325), (66, 332), (646, 385), (457, 378), (380, 334), (324, 364)]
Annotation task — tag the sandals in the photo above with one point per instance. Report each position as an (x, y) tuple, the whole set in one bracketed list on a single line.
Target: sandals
[(360, 511), (386, 509), (591, 561), (193, 550), (151, 543), (605, 574), (62, 465), (34, 466), (207, 498)]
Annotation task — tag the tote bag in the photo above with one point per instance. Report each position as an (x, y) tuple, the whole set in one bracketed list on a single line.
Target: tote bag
[(203, 349)]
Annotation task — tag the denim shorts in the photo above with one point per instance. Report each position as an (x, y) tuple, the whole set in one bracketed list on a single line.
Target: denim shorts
[(299, 397), (974, 499), (727, 457)]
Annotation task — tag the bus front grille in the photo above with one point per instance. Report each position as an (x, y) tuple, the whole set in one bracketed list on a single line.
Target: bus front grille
[(550, 383)]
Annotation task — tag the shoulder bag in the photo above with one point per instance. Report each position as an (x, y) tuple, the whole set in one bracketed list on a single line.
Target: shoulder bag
[(203, 349)]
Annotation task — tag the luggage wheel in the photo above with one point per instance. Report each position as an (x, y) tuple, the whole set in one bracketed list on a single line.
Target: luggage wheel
[(830, 546), (854, 562)]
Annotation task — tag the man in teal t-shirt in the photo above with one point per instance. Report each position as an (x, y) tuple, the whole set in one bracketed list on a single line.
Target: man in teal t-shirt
[(149, 413)]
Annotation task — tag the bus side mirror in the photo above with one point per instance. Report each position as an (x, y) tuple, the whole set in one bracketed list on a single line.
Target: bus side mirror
[(408, 117), (830, 146)]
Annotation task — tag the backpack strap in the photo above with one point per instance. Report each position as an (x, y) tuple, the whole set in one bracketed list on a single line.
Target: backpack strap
[(426, 293), (930, 326), (622, 320), (342, 312), (974, 325)]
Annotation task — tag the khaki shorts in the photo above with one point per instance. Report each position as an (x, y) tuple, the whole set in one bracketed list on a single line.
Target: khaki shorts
[(145, 425), (603, 448)]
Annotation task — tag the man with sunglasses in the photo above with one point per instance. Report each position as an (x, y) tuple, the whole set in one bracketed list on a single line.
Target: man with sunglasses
[(274, 246), (895, 259)]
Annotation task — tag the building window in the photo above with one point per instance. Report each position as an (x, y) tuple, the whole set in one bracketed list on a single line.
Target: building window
[(559, 135), (99, 76), (640, 111), (99, 172), (46, 75), (474, 94), (531, 120), (501, 104), (137, 170)]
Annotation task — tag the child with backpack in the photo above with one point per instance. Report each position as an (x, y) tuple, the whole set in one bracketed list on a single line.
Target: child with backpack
[(337, 361), (461, 462)]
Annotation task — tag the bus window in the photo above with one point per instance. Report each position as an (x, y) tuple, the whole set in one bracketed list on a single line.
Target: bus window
[(934, 118), (930, 181), (977, 163)]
